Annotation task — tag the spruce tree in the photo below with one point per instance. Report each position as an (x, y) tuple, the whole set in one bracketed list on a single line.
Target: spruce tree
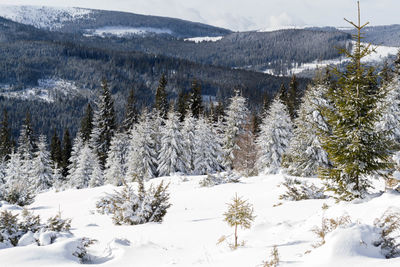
[(161, 99), (5, 138), (236, 117), (189, 136), (274, 137), (182, 105), (87, 124), (26, 140), (206, 151), (293, 97), (103, 124), (75, 152), (42, 171), (171, 158), (306, 155), (131, 112), (66, 153), (55, 149), (357, 151), (116, 163), (196, 101), (142, 152)]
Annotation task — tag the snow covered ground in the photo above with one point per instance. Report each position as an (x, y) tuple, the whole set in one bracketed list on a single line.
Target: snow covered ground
[(122, 31), (188, 236), (47, 90), (204, 39)]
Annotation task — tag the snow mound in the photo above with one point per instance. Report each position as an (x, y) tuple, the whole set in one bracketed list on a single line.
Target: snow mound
[(51, 18)]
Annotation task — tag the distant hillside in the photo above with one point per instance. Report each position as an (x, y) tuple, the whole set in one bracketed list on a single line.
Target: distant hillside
[(90, 21)]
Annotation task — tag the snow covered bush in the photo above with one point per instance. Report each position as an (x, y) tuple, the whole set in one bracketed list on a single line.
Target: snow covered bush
[(274, 261), (81, 251), (389, 226), (58, 224), (29, 230), (220, 178), (297, 190), (127, 207), (327, 226)]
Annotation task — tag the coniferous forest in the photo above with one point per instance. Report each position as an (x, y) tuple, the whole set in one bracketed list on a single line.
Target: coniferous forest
[(289, 169)]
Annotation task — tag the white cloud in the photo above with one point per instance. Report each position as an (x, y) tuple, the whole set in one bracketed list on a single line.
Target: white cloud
[(245, 15)]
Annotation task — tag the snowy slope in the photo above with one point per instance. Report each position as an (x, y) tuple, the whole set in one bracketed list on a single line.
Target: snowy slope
[(194, 223), (51, 18)]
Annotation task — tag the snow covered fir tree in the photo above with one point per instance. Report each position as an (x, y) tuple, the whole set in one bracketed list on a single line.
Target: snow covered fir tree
[(144, 176)]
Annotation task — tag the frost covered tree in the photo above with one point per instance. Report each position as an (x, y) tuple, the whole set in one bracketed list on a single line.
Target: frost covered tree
[(189, 137), (246, 155), (76, 149), (236, 116), (41, 167), (87, 171), (131, 112), (18, 188), (161, 98), (116, 163), (196, 101), (306, 155), (66, 152), (103, 124), (273, 140), (355, 147), (171, 158), (87, 124), (26, 140), (142, 155), (5, 138), (207, 150)]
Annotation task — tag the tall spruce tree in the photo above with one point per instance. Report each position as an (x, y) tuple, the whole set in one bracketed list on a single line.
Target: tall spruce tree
[(131, 112), (196, 101), (103, 124), (66, 152), (357, 151), (161, 101), (26, 140), (87, 124), (55, 149), (274, 137), (182, 105), (236, 117), (116, 164), (293, 97), (42, 173), (5, 138)]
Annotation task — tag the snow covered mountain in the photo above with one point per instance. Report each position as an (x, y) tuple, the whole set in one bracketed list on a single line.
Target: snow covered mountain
[(100, 22)]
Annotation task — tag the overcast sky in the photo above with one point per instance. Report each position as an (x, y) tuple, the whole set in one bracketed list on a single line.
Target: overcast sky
[(246, 14)]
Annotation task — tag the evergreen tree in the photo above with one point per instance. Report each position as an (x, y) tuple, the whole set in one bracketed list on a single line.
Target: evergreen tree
[(76, 150), (196, 101), (246, 155), (42, 171), (206, 148), (66, 153), (87, 124), (236, 117), (87, 171), (55, 149), (189, 137), (161, 104), (142, 153), (131, 112), (306, 155), (103, 124), (274, 137), (357, 151), (219, 112), (5, 138), (293, 97), (182, 105), (171, 158), (116, 163), (26, 140)]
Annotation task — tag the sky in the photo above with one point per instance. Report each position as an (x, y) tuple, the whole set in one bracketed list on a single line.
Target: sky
[(240, 15)]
